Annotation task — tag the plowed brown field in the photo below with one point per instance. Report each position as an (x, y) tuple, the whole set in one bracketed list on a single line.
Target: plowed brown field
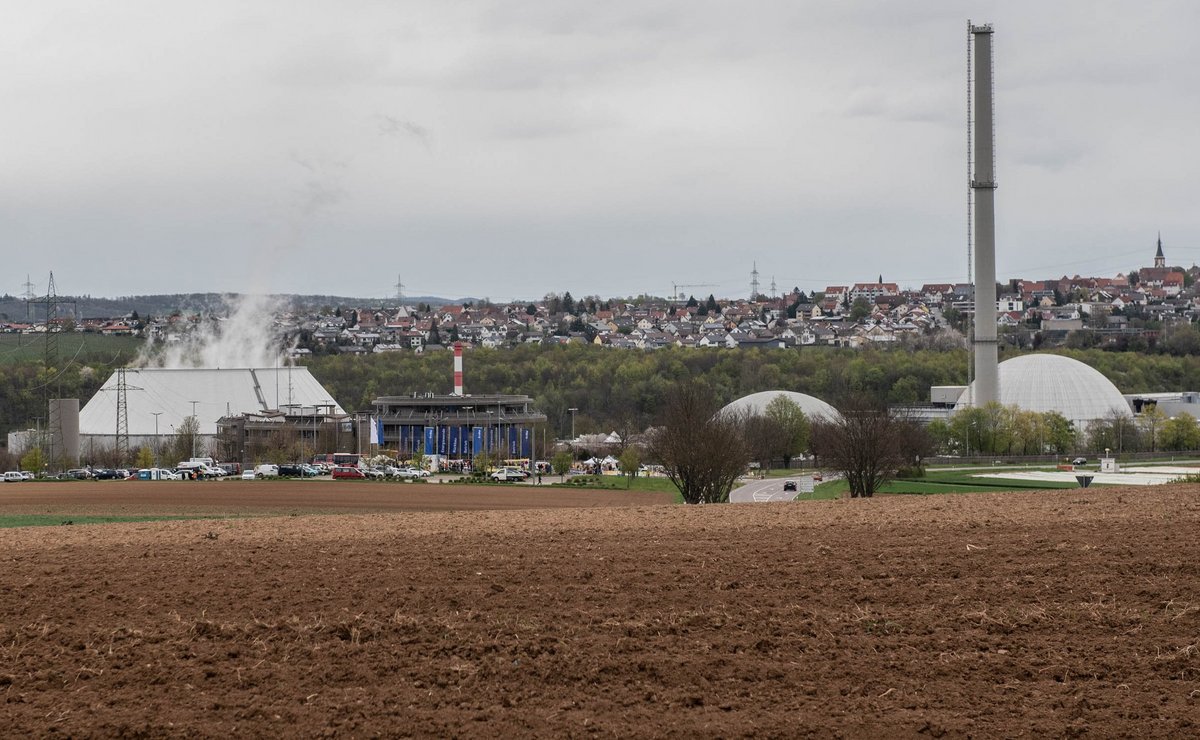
[(1033, 614)]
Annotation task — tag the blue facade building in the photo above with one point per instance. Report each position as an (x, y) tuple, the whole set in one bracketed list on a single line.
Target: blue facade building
[(458, 427)]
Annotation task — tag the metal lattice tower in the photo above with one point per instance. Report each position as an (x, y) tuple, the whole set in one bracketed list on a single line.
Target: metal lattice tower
[(399, 290), (51, 301), (122, 443), (754, 282)]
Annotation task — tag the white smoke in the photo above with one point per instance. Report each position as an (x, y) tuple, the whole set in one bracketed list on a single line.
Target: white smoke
[(246, 336)]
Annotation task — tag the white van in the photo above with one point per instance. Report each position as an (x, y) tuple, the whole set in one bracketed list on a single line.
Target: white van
[(266, 471), (13, 476)]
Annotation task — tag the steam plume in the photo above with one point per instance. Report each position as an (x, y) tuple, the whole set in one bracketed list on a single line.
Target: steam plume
[(245, 337)]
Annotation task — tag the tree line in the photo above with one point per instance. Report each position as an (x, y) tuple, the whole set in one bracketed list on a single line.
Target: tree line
[(615, 390)]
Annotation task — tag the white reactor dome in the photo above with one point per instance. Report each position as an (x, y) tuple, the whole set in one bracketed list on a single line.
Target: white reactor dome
[(756, 404), (1055, 383)]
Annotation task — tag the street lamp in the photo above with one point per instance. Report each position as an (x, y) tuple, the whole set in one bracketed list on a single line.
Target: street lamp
[(487, 435), (196, 431), (157, 444)]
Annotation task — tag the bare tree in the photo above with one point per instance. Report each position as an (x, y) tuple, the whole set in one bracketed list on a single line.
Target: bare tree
[(865, 443), (765, 436), (703, 451)]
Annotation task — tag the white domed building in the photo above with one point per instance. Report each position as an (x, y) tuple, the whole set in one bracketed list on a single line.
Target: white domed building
[(756, 404), (1044, 383)]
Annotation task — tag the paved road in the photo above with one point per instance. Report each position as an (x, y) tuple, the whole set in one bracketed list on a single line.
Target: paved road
[(760, 491)]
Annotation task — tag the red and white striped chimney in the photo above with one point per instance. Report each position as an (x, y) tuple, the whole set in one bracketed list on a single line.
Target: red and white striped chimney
[(458, 379)]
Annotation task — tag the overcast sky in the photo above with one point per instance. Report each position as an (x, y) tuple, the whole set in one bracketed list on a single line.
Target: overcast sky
[(512, 148)]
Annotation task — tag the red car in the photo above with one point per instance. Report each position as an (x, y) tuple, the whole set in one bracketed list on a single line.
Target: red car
[(347, 472)]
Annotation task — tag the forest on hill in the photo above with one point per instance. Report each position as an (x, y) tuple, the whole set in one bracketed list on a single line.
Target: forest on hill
[(617, 389)]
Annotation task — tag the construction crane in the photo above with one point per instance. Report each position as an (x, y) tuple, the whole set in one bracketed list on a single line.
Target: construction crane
[(676, 286)]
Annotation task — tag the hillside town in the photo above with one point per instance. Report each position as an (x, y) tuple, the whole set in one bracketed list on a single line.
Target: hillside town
[(1128, 311)]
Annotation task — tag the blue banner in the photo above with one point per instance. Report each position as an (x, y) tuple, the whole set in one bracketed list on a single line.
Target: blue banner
[(430, 440), (477, 441), (526, 443)]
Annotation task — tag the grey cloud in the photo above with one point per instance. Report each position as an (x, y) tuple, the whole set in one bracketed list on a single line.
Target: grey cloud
[(392, 126)]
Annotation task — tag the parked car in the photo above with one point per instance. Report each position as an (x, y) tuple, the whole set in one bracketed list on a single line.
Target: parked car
[(79, 474), (789, 485), (13, 476), (1079, 461), (266, 470), (105, 474), (27, 474), (248, 475), (345, 471)]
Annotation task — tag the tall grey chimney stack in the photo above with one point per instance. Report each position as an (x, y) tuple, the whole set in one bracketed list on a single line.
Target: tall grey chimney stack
[(983, 187)]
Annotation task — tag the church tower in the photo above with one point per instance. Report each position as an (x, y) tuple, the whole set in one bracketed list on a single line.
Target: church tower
[(1159, 259)]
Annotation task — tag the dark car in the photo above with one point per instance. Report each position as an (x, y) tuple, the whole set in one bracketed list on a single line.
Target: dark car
[(105, 474), (1079, 461), (789, 485)]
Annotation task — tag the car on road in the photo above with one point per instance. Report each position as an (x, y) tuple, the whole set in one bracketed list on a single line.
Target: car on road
[(345, 471), (13, 476), (1079, 461), (789, 485)]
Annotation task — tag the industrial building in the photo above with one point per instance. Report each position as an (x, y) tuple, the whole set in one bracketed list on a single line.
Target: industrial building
[(447, 428), (452, 429), (148, 406), (756, 404)]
